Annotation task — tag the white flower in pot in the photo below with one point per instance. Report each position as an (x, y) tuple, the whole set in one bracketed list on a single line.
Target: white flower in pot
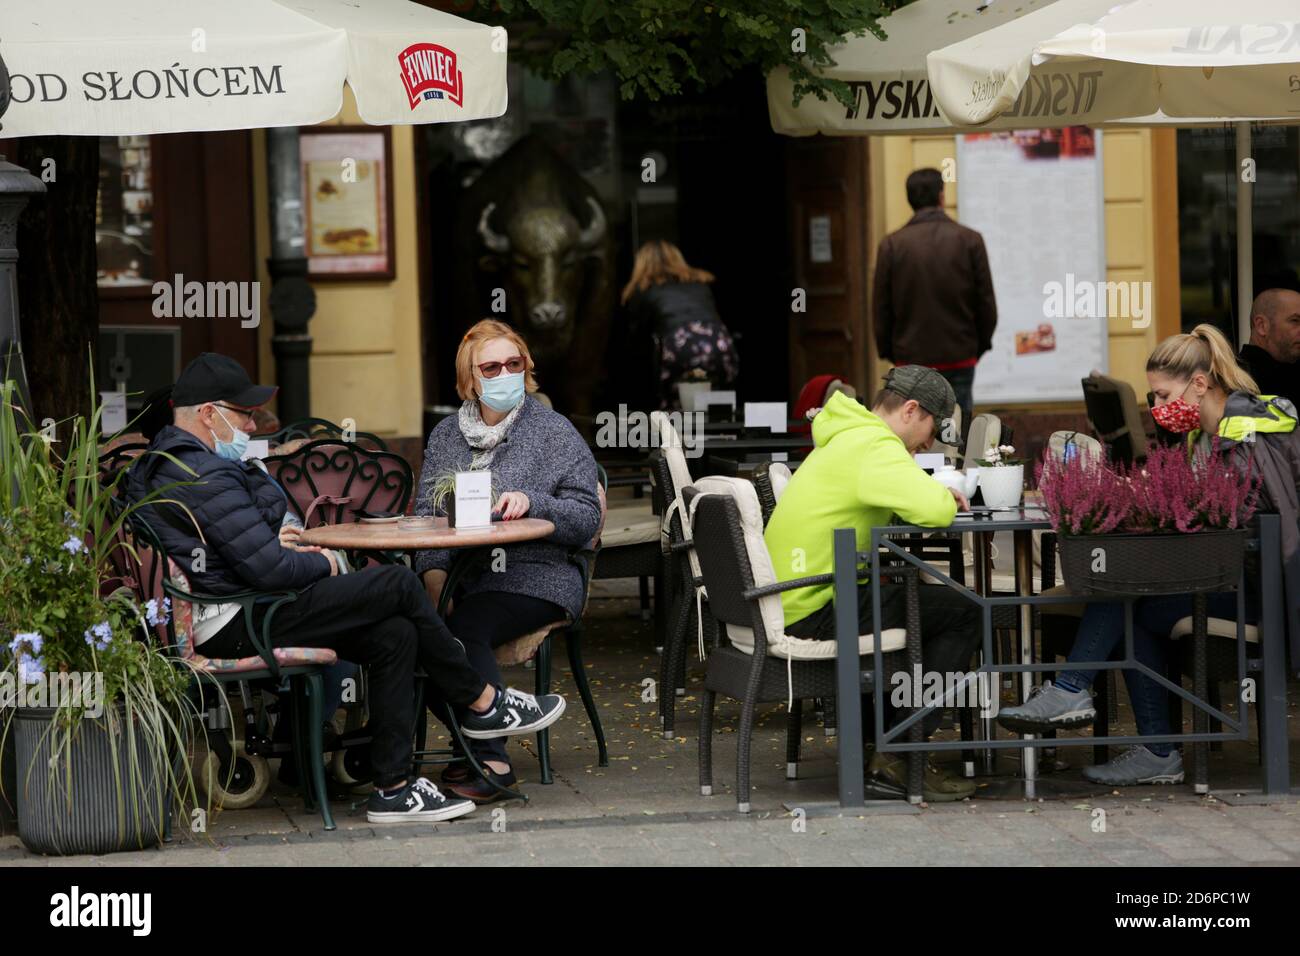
[(1002, 478)]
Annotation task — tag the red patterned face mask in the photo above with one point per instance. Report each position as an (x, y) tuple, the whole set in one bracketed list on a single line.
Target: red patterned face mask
[(1178, 416)]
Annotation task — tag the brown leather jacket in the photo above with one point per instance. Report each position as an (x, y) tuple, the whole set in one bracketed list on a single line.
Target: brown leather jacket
[(934, 301)]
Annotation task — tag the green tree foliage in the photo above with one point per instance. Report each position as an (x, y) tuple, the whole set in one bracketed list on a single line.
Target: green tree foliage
[(657, 48)]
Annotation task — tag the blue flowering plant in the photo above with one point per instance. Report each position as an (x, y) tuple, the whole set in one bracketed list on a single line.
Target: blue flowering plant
[(70, 617)]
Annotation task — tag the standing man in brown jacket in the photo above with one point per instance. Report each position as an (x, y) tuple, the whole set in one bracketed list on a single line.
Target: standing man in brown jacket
[(934, 302)]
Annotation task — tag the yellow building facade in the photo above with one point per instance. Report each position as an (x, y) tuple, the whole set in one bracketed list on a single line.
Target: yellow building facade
[(1141, 223)]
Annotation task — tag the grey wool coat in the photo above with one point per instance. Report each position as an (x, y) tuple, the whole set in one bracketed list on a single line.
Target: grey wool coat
[(544, 457)]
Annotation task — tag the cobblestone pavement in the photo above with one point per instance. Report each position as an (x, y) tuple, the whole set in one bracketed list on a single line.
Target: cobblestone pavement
[(645, 808)]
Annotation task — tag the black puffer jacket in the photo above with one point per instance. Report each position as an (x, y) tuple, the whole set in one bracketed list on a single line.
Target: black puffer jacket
[(237, 508), (672, 304)]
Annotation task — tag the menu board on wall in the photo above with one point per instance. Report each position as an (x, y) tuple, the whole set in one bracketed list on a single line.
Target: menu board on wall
[(1036, 197)]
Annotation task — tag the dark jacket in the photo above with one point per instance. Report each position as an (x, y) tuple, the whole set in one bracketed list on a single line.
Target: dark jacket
[(237, 508), (934, 302), (665, 307), (1272, 377), (544, 457), (1267, 432)]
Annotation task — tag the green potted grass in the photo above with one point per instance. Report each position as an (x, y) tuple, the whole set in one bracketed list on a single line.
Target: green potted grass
[(93, 704)]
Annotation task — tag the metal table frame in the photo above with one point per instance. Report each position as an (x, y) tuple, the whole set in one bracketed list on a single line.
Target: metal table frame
[(1272, 660)]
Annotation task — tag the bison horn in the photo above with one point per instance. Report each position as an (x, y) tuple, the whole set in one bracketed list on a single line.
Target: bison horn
[(594, 232), (493, 240)]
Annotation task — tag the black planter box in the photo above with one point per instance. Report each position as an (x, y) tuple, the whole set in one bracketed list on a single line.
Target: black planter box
[(8, 784), (1129, 564)]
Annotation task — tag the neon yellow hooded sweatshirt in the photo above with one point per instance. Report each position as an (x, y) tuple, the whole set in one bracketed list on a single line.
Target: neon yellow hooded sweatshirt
[(859, 475)]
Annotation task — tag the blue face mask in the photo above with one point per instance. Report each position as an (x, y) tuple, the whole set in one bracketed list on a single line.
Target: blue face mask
[(503, 392), (234, 449)]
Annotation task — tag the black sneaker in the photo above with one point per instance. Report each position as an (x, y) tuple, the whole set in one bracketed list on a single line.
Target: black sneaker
[(515, 713), (419, 802)]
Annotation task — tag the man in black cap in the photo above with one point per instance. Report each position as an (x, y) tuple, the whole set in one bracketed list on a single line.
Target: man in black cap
[(380, 617)]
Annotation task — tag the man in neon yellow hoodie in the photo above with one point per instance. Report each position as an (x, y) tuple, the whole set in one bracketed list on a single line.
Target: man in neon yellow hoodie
[(860, 474)]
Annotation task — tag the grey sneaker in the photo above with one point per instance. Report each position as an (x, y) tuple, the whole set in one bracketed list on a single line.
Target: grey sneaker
[(1049, 708), (1137, 765)]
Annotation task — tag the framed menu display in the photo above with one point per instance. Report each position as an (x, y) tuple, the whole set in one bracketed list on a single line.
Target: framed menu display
[(347, 181)]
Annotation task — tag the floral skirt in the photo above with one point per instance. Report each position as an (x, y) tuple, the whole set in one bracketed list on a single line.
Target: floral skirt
[(702, 345)]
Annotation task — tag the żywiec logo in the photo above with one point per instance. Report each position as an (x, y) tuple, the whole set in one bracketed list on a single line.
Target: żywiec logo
[(429, 72)]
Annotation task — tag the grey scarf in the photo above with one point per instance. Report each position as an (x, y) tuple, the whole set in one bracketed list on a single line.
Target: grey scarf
[(481, 437)]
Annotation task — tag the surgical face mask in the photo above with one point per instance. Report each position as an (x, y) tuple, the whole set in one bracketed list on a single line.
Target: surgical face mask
[(1179, 416), (503, 392), (234, 449)]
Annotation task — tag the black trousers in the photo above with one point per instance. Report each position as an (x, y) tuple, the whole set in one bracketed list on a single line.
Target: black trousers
[(484, 621), (381, 618), (950, 631)]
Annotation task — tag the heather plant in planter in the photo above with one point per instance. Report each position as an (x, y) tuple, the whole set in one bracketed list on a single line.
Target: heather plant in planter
[(1171, 526)]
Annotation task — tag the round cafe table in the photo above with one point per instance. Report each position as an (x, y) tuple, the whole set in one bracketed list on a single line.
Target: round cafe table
[(364, 536), (477, 542)]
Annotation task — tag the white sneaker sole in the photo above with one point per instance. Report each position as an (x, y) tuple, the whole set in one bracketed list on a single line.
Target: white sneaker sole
[(1161, 778), (542, 724), (450, 812), (1066, 721)]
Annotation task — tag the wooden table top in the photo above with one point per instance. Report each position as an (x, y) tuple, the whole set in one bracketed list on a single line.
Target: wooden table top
[(394, 537)]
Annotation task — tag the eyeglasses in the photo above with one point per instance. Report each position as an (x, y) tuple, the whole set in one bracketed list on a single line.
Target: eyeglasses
[(512, 365), (247, 413)]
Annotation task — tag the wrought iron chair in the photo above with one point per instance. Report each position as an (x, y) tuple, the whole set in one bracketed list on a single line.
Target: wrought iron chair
[(754, 660), (318, 428), (329, 481), (155, 575)]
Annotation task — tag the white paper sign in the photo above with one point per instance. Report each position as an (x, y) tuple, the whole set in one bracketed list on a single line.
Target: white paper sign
[(473, 499), (113, 419), (771, 415), (257, 448), (929, 460), (704, 399)]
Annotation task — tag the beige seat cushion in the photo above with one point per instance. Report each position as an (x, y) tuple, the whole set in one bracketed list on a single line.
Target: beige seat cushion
[(523, 648), (1216, 627), (804, 649), (630, 524), (1060, 610)]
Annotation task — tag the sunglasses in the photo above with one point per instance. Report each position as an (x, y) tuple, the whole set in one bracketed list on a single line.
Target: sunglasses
[(247, 413), (512, 365)]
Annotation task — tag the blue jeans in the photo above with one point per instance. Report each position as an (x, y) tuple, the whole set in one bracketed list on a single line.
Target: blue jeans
[(1101, 636)]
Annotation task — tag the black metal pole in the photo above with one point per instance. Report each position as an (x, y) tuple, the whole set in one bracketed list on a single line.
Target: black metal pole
[(848, 676), (293, 301), (1271, 698)]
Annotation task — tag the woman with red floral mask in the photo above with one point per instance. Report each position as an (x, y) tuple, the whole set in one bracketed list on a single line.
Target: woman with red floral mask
[(1198, 390)]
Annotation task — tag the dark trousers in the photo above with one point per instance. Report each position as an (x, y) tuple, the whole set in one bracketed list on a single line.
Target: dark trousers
[(381, 618), (950, 631), (484, 621), (962, 381)]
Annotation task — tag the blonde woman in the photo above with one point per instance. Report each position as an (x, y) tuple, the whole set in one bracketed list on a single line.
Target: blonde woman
[(1198, 390), (541, 468), (673, 300)]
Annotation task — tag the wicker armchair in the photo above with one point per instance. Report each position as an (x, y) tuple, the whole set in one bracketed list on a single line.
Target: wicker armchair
[(754, 660)]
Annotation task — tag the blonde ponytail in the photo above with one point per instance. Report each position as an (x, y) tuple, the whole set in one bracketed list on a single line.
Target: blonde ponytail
[(1204, 349)]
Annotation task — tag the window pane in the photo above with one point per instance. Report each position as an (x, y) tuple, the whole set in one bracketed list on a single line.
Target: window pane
[(124, 213)]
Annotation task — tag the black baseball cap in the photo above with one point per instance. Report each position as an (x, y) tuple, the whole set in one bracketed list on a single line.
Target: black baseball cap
[(213, 377)]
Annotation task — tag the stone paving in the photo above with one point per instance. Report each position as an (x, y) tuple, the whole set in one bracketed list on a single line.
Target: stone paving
[(645, 808)]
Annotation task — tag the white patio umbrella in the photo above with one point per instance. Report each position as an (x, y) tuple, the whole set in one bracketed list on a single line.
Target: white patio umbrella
[(892, 92), (91, 68), (1191, 59)]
